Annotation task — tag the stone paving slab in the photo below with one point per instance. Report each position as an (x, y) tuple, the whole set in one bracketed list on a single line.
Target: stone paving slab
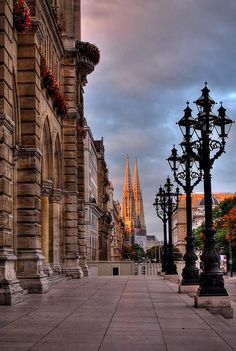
[(133, 313)]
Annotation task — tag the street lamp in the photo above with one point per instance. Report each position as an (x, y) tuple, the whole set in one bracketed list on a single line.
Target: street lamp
[(160, 205), (187, 175), (206, 149), (172, 199)]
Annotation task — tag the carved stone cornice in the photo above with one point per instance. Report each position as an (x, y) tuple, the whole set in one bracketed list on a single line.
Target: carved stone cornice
[(81, 201), (38, 28), (7, 122), (30, 152), (56, 195), (46, 188), (72, 115), (68, 193), (16, 149)]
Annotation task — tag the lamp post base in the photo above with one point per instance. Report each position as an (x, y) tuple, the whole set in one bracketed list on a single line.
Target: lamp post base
[(212, 284), (215, 304), (190, 276), (172, 277), (188, 289)]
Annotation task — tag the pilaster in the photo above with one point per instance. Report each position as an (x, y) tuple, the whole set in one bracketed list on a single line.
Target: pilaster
[(11, 291), (30, 256), (56, 203), (71, 264), (46, 190), (29, 249)]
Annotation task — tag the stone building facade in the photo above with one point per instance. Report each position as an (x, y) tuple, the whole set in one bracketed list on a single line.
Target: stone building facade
[(105, 221), (42, 204), (117, 227), (198, 212), (92, 210)]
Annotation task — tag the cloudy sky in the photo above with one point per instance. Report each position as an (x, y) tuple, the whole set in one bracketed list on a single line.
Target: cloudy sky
[(156, 55)]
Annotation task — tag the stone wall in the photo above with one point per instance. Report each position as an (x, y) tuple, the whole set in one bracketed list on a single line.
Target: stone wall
[(41, 149)]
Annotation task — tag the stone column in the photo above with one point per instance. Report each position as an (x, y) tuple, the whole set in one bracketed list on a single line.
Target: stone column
[(68, 34), (11, 291), (45, 192), (56, 229), (29, 252), (71, 264)]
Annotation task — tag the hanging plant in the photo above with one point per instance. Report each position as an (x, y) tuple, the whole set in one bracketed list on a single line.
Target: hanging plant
[(89, 51), (52, 87), (21, 16), (59, 103)]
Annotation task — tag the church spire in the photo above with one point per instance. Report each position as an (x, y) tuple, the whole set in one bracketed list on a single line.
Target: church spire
[(136, 183), (127, 187), (138, 197), (128, 204)]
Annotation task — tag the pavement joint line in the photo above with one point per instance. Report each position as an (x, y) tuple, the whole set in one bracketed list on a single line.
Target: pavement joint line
[(99, 348), (35, 309), (155, 313), (81, 304), (195, 310)]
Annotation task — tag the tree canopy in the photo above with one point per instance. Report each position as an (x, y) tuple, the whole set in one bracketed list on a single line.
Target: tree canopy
[(224, 220)]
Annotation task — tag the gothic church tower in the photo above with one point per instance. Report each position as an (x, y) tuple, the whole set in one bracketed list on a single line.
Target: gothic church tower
[(128, 203), (138, 201), (132, 206)]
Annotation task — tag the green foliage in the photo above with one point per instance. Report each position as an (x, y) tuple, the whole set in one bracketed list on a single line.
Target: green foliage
[(224, 207), (224, 220), (198, 237), (133, 252), (153, 253)]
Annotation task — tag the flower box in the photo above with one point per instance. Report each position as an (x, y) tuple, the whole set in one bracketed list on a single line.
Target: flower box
[(21, 16), (52, 88)]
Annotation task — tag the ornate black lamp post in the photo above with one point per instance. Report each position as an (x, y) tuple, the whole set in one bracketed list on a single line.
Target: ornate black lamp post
[(206, 151), (172, 199), (187, 176), (160, 205)]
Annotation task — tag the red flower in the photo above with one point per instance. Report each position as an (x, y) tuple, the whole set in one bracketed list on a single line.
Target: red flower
[(52, 87), (59, 103), (21, 16)]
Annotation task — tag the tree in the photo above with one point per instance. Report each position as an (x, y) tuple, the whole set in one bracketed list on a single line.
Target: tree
[(199, 236), (153, 253), (133, 252), (224, 220)]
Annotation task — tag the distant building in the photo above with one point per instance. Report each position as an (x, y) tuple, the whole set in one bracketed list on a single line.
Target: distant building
[(92, 210), (117, 227), (105, 220), (151, 241), (132, 207), (198, 213)]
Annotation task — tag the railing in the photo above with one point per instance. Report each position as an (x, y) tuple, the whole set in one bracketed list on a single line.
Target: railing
[(146, 268)]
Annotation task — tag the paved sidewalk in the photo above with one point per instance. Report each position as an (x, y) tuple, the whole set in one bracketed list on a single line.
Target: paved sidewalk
[(134, 313)]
